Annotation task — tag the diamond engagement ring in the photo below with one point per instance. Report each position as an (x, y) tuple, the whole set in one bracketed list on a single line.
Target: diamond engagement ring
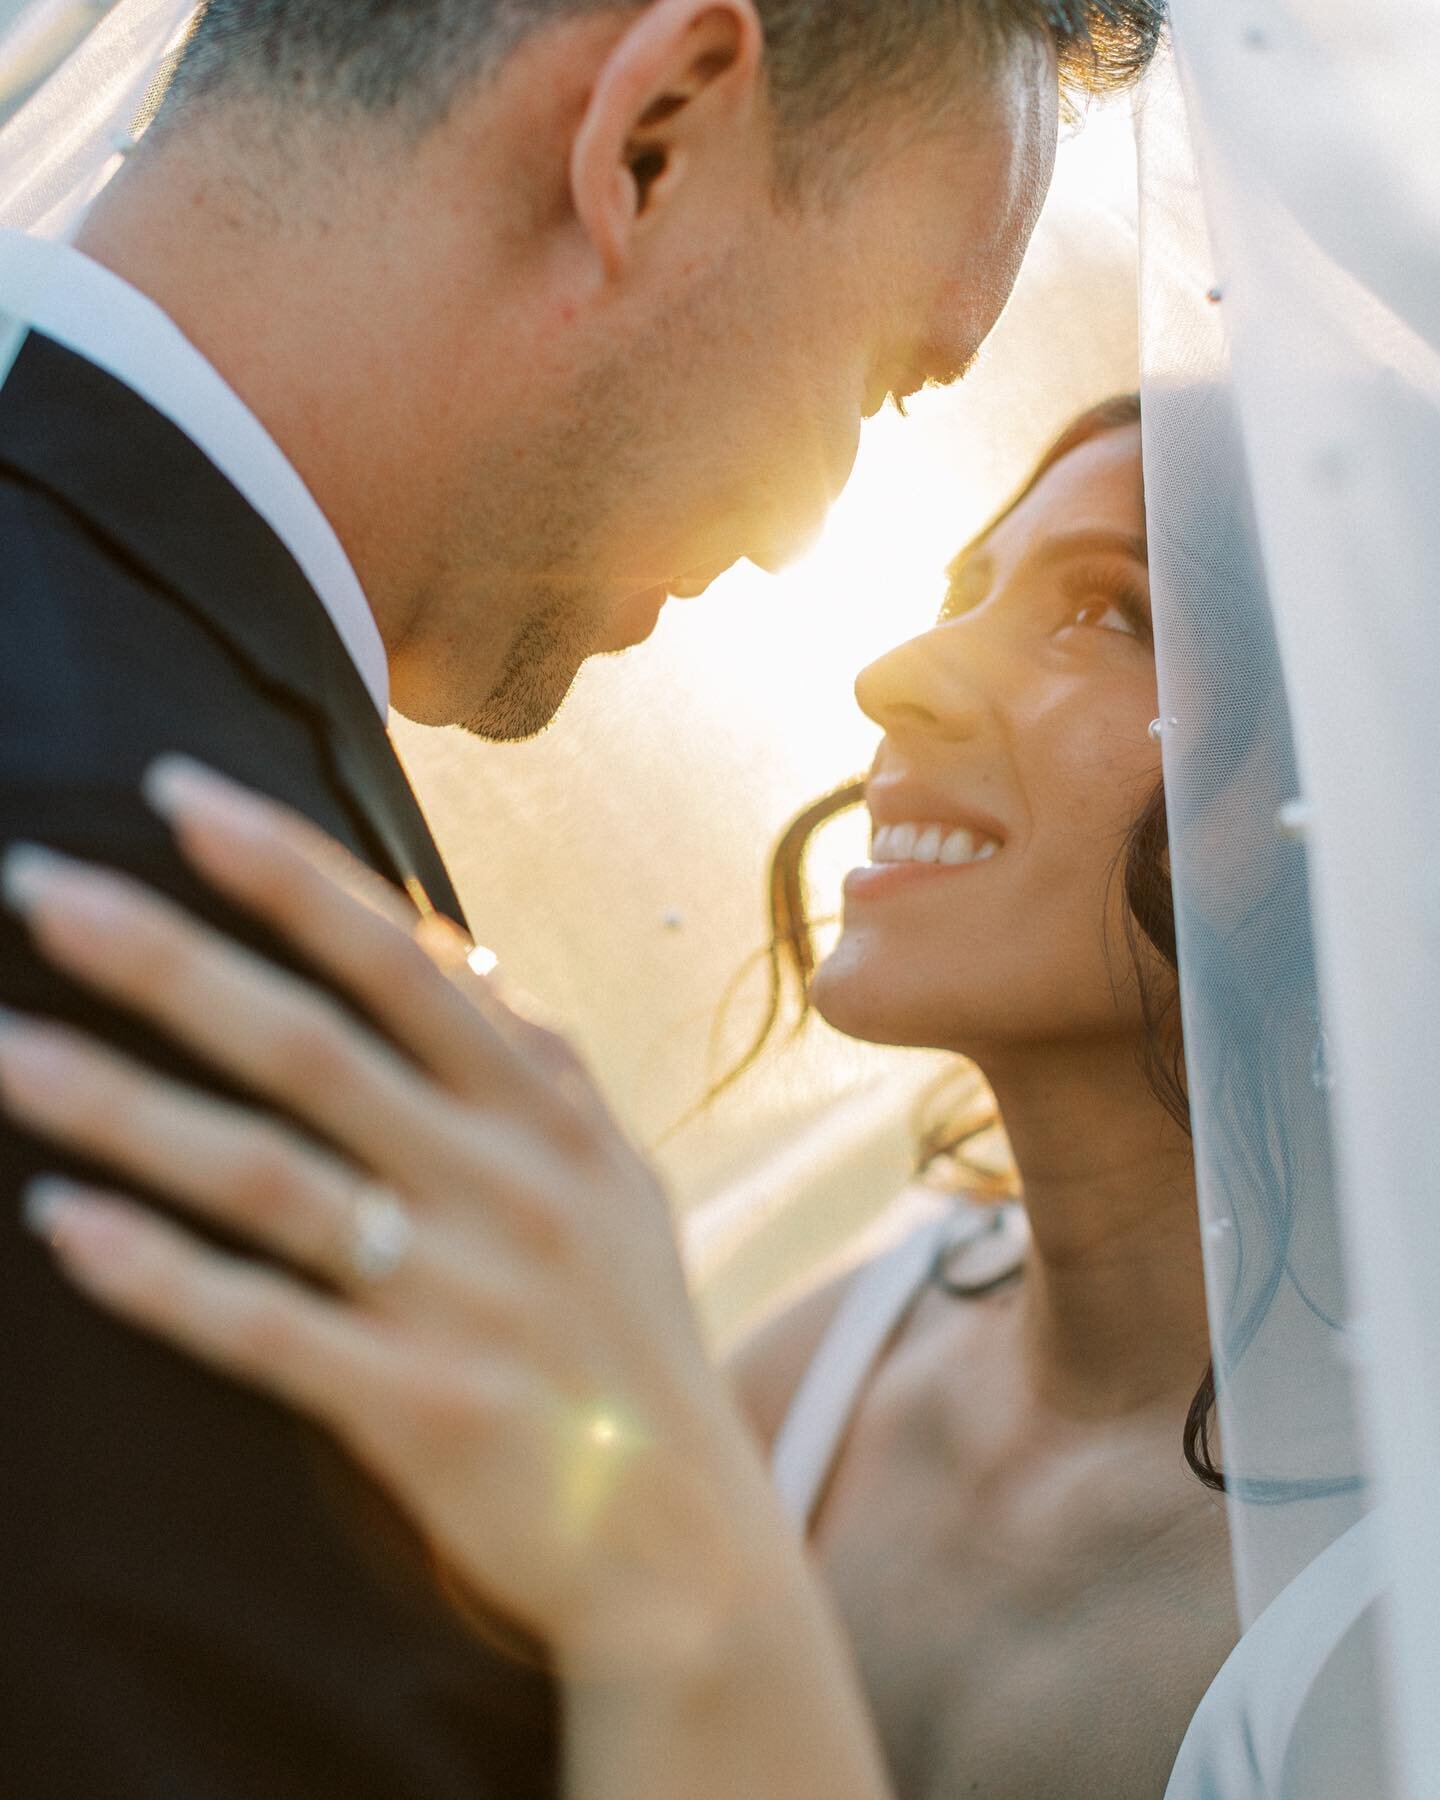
[(380, 1234)]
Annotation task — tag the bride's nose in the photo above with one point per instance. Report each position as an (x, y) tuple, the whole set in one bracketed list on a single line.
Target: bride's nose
[(917, 688)]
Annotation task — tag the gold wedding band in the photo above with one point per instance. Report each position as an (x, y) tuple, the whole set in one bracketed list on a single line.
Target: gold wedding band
[(381, 1233)]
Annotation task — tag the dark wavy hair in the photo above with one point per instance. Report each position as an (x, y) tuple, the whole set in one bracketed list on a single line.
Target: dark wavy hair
[(1278, 1128)]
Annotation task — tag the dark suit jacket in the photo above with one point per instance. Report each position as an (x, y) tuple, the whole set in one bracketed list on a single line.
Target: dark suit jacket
[(199, 1598)]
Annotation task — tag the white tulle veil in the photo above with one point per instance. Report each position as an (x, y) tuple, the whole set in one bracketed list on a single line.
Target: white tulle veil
[(1290, 236), (67, 139)]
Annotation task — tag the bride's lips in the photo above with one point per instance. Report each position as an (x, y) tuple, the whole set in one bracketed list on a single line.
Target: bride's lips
[(874, 881)]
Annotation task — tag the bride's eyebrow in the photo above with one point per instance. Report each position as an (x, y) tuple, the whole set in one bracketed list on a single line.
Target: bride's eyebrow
[(1092, 542), (968, 580)]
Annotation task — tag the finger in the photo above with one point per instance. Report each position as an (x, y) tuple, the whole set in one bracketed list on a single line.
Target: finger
[(244, 1173), (219, 815), (552, 1056), (351, 922), (272, 1032), (248, 1322), (343, 918)]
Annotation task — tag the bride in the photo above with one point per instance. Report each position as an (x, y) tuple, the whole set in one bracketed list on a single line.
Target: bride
[(999, 1435)]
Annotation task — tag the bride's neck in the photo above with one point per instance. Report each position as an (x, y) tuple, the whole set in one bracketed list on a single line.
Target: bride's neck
[(1113, 1315)]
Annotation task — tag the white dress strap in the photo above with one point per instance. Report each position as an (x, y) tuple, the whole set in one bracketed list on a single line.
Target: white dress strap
[(825, 1402), (1240, 1739)]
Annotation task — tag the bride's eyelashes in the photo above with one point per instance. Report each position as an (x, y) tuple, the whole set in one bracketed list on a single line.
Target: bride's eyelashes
[(1106, 599)]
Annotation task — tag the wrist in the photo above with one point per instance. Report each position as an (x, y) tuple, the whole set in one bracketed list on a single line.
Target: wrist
[(688, 1543), (761, 1701)]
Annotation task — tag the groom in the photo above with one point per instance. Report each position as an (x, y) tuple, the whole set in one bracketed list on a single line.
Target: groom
[(420, 350)]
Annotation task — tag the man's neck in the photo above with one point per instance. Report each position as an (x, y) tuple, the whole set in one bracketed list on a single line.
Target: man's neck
[(272, 312)]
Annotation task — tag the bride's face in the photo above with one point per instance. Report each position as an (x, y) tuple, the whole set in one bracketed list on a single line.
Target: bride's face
[(1017, 746)]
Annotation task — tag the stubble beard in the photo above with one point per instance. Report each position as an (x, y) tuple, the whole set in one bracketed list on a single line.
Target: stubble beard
[(538, 673), (593, 451)]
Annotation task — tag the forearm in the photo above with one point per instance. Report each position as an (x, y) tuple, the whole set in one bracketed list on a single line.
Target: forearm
[(769, 1710)]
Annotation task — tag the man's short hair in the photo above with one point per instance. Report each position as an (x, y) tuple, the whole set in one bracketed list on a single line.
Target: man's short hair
[(822, 55)]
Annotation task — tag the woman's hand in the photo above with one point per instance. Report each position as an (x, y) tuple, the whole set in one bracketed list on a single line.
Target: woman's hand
[(495, 1318)]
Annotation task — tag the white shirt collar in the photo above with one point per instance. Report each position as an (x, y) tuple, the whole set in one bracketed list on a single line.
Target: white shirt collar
[(84, 307)]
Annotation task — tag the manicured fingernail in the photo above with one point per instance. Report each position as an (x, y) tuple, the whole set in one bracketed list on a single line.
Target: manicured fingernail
[(172, 782), (27, 875), (178, 787), (46, 1202), (69, 892)]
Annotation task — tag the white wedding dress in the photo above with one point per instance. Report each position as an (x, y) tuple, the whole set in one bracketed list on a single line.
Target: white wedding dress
[(1239, 1744)]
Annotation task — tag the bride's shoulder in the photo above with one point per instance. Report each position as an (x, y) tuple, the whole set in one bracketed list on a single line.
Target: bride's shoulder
[(768, 1365)]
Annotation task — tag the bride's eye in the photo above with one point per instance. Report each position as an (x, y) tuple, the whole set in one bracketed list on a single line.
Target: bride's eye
[(1093, 603), (1102, 615)]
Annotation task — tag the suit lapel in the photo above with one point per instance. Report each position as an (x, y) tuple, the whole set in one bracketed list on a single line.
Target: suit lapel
[(370, 770), (136, 479)]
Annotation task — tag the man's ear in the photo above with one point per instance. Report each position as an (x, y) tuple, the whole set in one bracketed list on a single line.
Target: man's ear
[(679, 79)]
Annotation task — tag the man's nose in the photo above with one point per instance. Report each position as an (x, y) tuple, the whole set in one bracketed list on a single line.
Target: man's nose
[(786, 548), (795, 529), (917, 688)]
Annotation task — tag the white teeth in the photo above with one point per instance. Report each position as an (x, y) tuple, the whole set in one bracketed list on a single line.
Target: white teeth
[(958, 848), (930, 844)]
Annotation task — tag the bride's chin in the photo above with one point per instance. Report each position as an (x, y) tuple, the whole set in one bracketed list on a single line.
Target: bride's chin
[(878, 996), (853, 1003)]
